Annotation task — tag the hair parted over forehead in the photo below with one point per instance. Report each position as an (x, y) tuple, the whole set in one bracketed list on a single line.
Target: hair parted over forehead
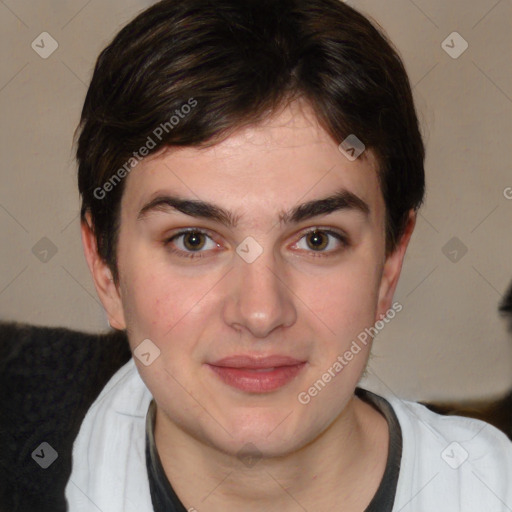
[(192, 72)]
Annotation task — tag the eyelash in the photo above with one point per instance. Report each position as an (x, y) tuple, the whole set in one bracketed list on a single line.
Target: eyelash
[(343, 239)]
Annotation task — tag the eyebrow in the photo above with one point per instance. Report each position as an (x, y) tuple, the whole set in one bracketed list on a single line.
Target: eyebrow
[(341, 200)]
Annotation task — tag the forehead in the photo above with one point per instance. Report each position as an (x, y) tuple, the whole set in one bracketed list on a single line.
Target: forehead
[(267, 168)]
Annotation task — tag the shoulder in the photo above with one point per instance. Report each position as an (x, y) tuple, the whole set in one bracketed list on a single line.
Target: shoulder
[(451, 462), (109, 464), (429, 427)]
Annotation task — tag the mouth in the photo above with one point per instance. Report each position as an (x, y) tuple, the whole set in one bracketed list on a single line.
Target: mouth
[(257, 374)]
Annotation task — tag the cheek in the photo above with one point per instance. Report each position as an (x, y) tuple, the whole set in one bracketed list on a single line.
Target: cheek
[(168, 313), (154, 304), (344, 301), (164, 306)]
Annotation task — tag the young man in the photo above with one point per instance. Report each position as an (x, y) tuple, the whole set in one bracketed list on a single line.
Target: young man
[(250, 175)]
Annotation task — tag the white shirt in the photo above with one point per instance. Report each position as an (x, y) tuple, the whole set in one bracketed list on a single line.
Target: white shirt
[(449, 463)]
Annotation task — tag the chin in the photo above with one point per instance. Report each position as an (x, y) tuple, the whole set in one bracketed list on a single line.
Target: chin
[(267, 436), (255, 447)]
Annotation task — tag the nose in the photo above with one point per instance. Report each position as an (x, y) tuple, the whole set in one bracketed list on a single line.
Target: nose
[(260, 299)]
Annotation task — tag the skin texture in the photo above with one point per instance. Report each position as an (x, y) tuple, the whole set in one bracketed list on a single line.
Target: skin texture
[(292, 300)]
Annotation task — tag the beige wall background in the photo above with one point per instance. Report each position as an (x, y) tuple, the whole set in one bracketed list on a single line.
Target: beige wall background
[(447, 342)]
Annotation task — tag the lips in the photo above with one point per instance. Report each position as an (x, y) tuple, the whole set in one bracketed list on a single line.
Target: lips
[(242, 361), (257, 374)]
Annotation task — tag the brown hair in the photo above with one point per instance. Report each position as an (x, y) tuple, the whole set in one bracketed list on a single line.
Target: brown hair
[(232, 63)]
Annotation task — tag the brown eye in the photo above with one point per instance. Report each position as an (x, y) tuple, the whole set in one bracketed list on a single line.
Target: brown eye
[(191, 243), (317, 240), (194, 240)]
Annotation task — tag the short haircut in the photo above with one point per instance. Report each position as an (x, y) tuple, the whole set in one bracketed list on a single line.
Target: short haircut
[(192, 72)]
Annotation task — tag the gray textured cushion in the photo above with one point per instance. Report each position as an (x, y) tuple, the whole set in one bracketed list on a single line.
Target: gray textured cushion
[(49, 377)]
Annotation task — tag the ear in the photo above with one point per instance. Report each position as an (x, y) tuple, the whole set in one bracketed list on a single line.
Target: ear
[(103, 281), (392, 269)]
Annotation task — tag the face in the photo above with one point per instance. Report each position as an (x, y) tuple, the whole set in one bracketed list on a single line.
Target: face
[(251, 266)]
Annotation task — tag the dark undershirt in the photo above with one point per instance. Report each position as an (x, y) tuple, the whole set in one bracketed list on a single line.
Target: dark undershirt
[(164, 498)]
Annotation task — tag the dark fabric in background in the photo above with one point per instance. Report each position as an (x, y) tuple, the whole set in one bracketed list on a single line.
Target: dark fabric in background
[(49, 377)]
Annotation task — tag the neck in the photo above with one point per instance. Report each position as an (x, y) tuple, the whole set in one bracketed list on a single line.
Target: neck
[(344, 464)]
